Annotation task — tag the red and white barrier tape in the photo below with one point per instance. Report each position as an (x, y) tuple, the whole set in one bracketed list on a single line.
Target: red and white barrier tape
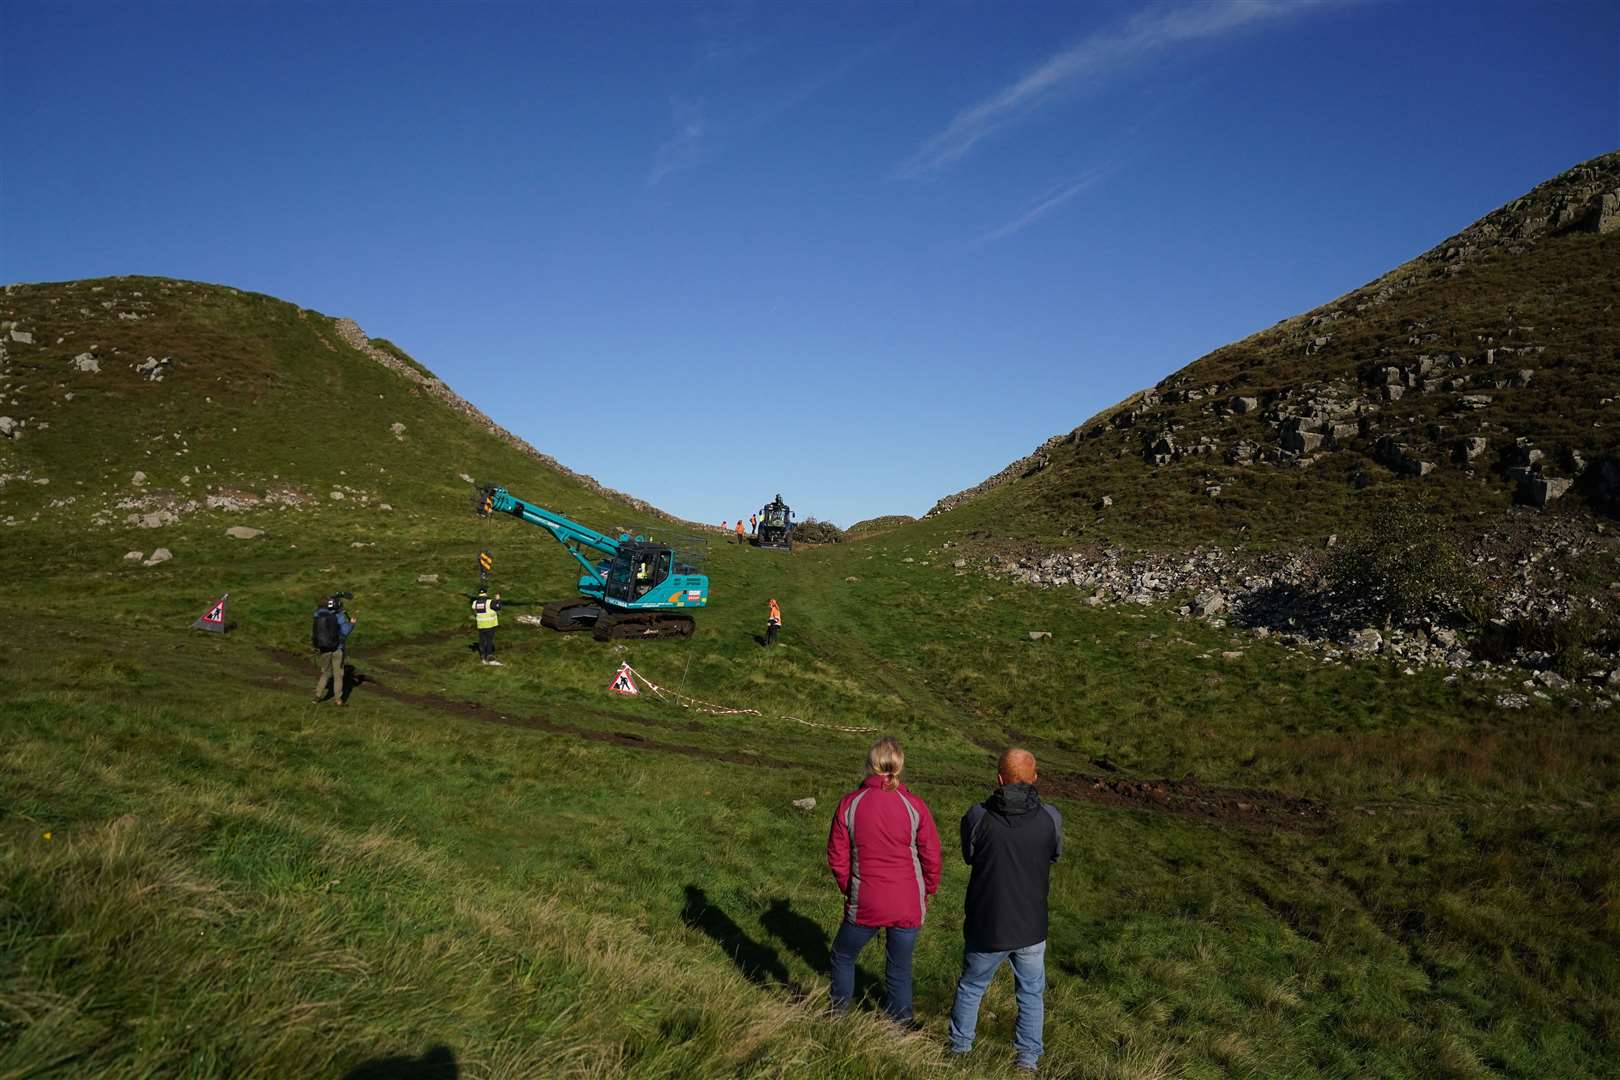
[(687, 702)]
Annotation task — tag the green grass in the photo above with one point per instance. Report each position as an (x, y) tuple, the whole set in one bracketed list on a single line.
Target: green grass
[(515, 868)]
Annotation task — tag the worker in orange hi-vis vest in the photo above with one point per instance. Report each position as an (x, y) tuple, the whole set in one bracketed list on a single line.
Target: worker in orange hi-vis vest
[(742, 537), (753, 524), (773, 623)]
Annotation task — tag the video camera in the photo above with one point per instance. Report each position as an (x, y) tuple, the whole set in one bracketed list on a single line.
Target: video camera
[(339, 597)]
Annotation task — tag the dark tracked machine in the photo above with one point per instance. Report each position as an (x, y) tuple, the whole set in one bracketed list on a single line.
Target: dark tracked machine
[(635, 588), (775, 526)]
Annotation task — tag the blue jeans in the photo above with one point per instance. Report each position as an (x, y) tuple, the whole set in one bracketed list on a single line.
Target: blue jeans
[(1029, 987), (897, 947)]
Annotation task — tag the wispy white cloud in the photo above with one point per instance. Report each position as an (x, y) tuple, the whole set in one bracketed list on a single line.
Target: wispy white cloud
[(749, 107), (1089, 62), (1044, 205), (684, 148)]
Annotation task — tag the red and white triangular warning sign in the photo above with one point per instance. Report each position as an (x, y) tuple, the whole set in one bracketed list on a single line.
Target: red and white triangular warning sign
[(214, 618), (624, 682)]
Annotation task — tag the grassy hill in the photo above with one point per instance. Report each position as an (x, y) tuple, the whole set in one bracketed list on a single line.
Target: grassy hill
[(1274, 867), (1479, 376)]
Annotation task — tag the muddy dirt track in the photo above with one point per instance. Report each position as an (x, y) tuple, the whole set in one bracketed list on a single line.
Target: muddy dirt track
[(1243, 807)]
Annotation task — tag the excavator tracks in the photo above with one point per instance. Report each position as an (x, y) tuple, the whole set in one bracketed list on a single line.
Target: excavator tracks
[(643, 625), (576, 613)]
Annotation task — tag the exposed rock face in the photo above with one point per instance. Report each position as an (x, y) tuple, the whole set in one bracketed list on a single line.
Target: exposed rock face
[(1440, 374), (1287, 596)]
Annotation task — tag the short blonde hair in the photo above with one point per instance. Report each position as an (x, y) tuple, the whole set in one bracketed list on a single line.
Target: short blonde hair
[(887, 760)]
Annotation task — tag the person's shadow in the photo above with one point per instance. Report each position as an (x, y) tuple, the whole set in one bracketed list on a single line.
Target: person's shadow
[(806, 939), (758, 963), (437, 1063)]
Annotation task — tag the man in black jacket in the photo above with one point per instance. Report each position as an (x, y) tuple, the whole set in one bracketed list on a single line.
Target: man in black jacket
[(1011, 841)]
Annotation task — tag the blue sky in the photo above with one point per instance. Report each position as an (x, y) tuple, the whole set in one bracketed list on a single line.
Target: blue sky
[(861, 254)]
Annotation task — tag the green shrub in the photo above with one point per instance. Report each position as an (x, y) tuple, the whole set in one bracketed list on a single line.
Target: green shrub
[(1573, 642), (811, 531), (1402, 569)]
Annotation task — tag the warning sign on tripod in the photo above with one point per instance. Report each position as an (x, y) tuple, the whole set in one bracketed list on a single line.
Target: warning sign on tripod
[(213, 620), (624, 682)]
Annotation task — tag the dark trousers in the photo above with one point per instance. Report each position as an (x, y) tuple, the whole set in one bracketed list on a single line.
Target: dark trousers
[(898, 944), (770, 633), (486, 643)]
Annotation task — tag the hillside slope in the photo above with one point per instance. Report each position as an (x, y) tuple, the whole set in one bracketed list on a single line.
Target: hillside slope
[(1272, 867), (142, 412), (1481, 375)]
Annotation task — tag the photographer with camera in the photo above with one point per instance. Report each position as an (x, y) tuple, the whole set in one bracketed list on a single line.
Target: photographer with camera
[(329, 636)]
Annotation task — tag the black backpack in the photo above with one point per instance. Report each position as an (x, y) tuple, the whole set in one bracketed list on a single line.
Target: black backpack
[(324, 635)]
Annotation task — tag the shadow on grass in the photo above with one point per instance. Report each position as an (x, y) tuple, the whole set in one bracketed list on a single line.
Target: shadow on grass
[(437, 1063), (758, 962), (800, 933)]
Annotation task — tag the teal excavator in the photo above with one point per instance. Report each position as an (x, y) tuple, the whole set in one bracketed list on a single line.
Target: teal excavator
[(633, 587)]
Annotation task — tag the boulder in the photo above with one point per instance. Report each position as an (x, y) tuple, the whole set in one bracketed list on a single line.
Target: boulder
[(1209, 603), (336, 496), (806, 804), (134, 556), (139, 479), (1366, 641), (243, 532), (427, 579), (87, 362), (1245, 404), (1105, 502), (398, 429), (1302, 442), (8, 427), (161, 555), (22, 337), (1037, 635), (1470, 448), (1541, 490)]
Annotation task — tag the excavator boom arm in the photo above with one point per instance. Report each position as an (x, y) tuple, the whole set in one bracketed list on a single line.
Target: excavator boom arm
[(570, 534)]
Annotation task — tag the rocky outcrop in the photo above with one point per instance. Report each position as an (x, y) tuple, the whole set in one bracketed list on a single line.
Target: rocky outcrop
[(1286, 597)]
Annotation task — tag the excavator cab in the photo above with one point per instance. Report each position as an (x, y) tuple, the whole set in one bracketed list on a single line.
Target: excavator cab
[(776, 525)]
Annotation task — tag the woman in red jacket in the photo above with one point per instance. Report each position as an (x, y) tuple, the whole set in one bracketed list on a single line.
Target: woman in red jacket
[(884, 851)]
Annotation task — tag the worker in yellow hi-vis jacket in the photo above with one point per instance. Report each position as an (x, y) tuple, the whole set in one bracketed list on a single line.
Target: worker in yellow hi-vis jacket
[(484, 608)]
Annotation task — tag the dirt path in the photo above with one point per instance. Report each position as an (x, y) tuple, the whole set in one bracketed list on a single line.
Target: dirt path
[(373, 684), (1245, 807), (1249, 807)]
